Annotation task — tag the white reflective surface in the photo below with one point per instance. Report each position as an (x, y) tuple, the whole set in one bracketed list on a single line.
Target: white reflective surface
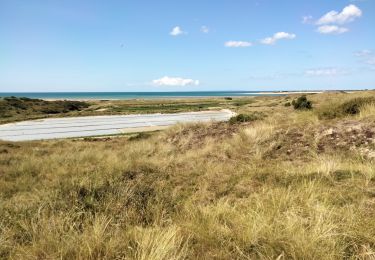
[(68, 127)]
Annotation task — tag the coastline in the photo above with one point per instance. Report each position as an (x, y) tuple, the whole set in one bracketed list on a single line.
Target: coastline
[(137, 96)]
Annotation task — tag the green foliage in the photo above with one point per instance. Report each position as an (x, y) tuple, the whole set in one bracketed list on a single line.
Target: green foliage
[(28, 107), (352, 107), (347, 108), (287, 104), (241, 118), (302, 103), (140, 136), (56, 107)]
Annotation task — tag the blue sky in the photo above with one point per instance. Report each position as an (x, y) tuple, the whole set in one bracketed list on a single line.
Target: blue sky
[(195, 45)]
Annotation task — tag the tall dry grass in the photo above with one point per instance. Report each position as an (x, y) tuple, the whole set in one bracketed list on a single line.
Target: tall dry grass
[(367, 111), (172, 195)]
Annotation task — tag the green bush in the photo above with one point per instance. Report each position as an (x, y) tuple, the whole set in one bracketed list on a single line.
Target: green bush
[(241, 118), (353, 106), (287, 104), (350, 107), (29, 106), (302, 103)]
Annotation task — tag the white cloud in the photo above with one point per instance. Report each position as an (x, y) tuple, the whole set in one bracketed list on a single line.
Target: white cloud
[(175, 81), (307, 19), (366, 57), (332, 29), (363, 53), (371, 61), (324, 72), (205, 29), (278, 36), (347, 15), (236, 44), (177, 31)]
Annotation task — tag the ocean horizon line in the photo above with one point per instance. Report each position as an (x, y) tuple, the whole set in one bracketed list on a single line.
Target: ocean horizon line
[(113, 95)]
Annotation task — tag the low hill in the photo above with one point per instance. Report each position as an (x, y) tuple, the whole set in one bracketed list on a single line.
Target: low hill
[(279, 182)]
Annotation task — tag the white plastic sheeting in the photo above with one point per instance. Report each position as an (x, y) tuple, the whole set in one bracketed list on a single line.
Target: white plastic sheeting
[(68, 127)]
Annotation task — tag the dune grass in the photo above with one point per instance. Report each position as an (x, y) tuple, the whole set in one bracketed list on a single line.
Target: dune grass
[(274, 188), (367, 110)]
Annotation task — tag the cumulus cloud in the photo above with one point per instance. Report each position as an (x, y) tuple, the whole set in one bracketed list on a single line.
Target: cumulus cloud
[(324, 72), (332, 29), (176, 31), (347, 15), (237, 44), (175, 81), (205, 29), (278, 36)]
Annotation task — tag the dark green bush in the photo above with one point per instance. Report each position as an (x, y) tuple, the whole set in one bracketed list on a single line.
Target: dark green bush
[(302, 103), (353, 106), (26, 106), (241, 118), (140, 136), (350, 107), (287, 104)]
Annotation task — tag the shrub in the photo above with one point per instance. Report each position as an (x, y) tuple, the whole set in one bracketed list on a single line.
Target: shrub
[(228, 98), (350, 107), (302, 103), (241, 118), (14, 106), (287, 104), (139, 136), (353, 106)]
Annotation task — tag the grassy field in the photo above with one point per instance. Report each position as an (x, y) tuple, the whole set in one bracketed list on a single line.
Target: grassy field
[(277, 183)]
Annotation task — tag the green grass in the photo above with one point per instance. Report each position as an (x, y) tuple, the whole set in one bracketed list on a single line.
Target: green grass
[(15, 109), (287, 186)]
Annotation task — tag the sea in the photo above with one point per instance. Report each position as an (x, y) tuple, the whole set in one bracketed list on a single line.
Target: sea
[(135, 95)]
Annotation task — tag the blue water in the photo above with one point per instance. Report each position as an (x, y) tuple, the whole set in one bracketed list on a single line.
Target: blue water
[(131, 95)]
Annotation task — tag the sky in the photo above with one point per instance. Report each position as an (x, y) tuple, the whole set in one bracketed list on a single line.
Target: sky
[(191, 45)]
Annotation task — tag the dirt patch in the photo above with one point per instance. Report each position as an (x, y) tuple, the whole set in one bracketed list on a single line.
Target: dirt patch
[(298, 143), (197, 134), (350, 135), (291, 143)]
